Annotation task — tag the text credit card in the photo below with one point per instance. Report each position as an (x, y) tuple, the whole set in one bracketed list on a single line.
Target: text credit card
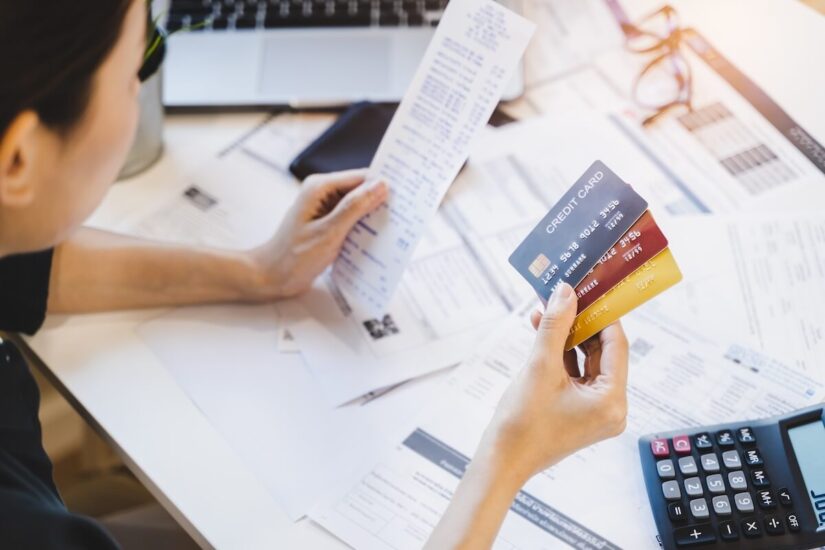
[(568, 242), (653, 278), (639, 244)]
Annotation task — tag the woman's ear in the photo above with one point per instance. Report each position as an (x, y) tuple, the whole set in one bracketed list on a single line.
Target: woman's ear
[(17, 152)]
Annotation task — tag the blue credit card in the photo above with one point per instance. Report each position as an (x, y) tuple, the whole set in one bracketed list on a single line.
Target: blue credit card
[(568, 242)]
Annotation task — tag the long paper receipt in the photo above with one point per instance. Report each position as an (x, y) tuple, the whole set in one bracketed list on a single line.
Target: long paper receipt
[(462, 76)]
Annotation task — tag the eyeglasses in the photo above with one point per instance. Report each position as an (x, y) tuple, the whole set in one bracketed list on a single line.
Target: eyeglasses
[(665, 83)]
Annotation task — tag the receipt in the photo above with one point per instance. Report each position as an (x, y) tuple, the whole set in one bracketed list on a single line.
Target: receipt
[(460, 80)]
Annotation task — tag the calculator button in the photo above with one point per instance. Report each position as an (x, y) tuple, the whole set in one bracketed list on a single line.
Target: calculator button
[(728, 530), (785, 497), (666, 469), (773, 525), (715, 483), (765, 500), (724, 438), (693, 535), (699, 508), (721, 505), (751, 528), (702, 441), (710, 462), (744, 502), (676, 511), (793, 523), (753, 458), (671, 490), (737, 480), (681, 444), (760, 478), (731, 460), (687, 465), (693, 487), (745, 436), (660, 448)]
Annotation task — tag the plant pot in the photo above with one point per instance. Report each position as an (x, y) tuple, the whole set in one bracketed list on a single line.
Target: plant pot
[(148, 145)]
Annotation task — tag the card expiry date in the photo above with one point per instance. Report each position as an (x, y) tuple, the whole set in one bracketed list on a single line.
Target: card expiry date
[(638, 245)]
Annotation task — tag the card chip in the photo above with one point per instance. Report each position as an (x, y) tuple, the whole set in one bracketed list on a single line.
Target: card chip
[(539, 265)]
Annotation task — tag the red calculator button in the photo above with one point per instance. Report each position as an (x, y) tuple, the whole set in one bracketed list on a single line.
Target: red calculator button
[(660, 447), (681, 444)]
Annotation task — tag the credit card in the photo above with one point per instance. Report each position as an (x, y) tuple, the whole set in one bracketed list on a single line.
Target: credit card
[(641, 242), (588, 220), (654, 277)]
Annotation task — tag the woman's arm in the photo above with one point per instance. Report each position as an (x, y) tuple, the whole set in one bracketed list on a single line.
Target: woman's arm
[(550, 411), (100, 271)]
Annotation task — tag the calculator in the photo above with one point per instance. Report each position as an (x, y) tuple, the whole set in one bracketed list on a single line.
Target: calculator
[(755, 485)]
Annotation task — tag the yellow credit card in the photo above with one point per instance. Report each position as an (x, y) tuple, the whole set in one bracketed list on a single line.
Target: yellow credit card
[(652, 278)]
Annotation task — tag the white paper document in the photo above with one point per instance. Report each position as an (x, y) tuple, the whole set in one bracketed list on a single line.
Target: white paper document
[(268, 406), (446, 302), (459, 282), (570, 35), (728, 156), (237, 199), (461, 78), (769, 274), (594, 499)]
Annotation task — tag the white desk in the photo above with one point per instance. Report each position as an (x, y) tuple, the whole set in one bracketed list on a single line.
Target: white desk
[(119, 385)]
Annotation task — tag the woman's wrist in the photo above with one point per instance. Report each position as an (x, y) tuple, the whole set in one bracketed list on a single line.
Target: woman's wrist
[(509, 446), (253, 278), (501, 461)]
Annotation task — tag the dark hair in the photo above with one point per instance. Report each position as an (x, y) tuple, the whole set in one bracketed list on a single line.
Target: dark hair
[(49, 53)]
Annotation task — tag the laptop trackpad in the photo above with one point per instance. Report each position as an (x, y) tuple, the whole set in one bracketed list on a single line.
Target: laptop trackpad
[(325, 65)]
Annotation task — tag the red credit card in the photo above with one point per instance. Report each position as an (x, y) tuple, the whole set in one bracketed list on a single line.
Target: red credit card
[(640, 243)]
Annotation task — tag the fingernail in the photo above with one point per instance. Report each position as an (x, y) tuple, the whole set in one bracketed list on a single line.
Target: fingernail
[(377, 188), (562, 294)]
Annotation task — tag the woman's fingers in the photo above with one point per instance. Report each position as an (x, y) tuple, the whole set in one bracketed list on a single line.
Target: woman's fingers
[(555, 323), (535, 318), (571, 364), (614, 354), (592, 349), (357, 203), (345, 181)]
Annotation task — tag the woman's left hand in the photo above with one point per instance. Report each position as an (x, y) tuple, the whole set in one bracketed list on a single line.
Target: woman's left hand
[(314, 229)]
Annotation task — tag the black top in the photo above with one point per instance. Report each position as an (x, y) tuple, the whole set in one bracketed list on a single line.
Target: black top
[(32, 515)]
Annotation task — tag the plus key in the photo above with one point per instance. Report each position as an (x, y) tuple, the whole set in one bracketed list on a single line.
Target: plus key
[(694, 535)]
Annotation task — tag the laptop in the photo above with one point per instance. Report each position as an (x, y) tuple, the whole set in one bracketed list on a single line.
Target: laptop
[(301, 53)]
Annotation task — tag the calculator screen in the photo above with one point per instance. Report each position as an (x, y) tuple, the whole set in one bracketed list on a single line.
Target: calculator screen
[(808, 442)]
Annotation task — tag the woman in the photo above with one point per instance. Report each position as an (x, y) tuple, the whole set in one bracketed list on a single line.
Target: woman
[(68, 112)]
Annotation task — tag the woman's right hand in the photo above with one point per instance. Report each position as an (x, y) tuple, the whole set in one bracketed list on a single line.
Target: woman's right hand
[(551, 410)]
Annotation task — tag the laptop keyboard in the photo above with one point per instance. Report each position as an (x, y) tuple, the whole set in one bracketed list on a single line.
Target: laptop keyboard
[(219, 15)]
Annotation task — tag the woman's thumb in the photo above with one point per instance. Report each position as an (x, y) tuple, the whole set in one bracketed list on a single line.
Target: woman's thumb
[(557, 320), (359, 202)]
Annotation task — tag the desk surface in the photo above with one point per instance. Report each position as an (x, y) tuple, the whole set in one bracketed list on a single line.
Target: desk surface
[(121, 387)]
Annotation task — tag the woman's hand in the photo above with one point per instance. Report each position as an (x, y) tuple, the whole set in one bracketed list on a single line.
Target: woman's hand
[(312, 233), (550, 411), (100, 271)]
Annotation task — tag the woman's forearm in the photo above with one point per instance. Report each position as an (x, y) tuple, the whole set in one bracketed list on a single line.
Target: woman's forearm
[(100, 271), (479, 505)]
